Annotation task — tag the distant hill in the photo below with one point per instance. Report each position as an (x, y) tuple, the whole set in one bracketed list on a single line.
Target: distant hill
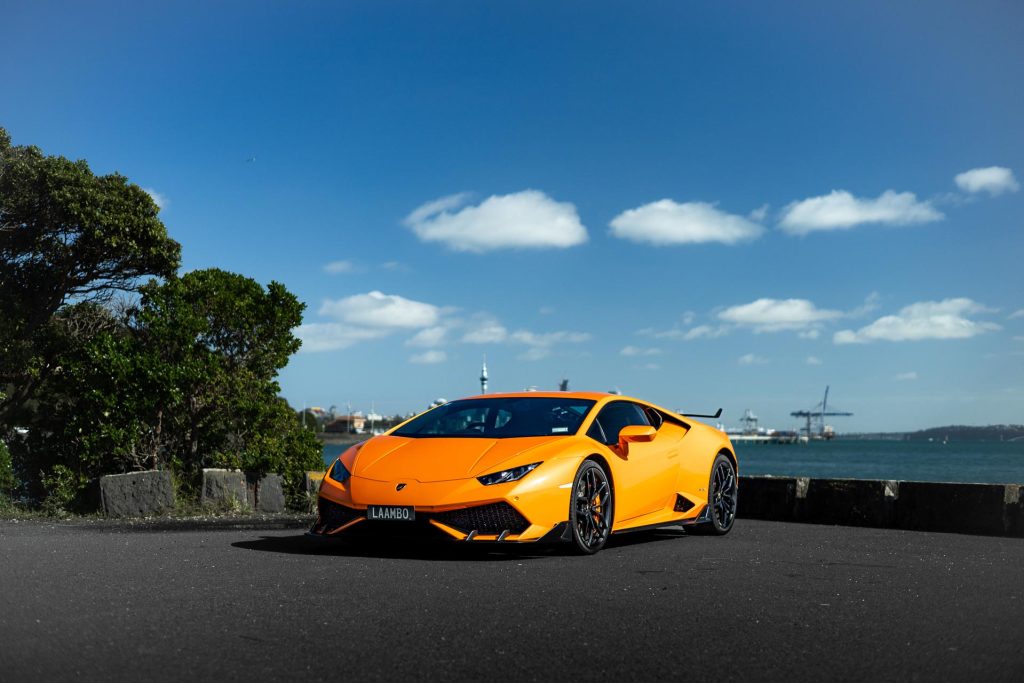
[(950, 432), (969, 433)]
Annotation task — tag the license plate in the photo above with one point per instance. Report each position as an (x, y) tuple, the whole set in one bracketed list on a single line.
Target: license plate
[(391, 513)]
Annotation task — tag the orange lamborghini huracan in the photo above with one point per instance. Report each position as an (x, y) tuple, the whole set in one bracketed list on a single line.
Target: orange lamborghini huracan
[(565, 466)]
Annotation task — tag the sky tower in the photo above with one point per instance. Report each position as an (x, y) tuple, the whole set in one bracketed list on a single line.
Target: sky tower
[(483, 377)]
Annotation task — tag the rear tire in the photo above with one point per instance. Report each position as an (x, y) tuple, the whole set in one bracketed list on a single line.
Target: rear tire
[(591, 508), (723, 494)]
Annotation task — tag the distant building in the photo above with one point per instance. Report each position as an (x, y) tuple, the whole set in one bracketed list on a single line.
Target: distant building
[(346, 423)]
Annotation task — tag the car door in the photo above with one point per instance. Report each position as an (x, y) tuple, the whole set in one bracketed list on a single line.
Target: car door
[(644, 475)]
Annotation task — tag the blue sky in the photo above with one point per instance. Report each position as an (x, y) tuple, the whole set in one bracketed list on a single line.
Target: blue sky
[(702, 204)]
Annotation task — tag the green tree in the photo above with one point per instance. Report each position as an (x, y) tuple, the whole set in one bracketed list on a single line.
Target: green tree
[(228, 337), (66, 236), (185, 380)]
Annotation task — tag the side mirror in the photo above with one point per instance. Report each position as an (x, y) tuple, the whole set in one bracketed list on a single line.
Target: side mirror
[(635, 434)]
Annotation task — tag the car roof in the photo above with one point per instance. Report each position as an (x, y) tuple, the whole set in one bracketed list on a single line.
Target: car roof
[(591, 395)]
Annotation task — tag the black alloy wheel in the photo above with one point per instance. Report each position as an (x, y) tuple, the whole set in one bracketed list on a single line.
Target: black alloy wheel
[(591, 508), (723, 494)]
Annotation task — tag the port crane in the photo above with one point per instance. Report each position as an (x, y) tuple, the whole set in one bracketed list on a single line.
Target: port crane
[(816, 418)]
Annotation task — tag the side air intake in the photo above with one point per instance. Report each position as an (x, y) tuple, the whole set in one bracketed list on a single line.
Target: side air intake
[(683, 504)]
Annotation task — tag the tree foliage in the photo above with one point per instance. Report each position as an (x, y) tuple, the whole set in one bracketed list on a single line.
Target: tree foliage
[(66, 236), (181, 378), (184, 380)]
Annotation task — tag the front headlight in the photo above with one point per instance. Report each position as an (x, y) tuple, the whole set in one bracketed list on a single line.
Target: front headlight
[(339, 472), (514, 474)]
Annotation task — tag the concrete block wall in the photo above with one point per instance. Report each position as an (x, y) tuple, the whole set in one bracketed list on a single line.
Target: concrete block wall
[(136, 494), (266, 493), (991, 509), (968, 508), (855, 502), (225, 487), (140, 494)]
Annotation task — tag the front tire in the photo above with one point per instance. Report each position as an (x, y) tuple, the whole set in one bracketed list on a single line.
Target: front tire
[(723, 494), (591, 507)]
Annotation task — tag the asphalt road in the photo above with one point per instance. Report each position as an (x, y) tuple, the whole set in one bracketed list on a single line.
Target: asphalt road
[(768, 602)]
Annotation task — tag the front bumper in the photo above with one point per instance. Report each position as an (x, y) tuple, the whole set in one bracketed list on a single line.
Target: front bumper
[(494, 522), (527, 510)]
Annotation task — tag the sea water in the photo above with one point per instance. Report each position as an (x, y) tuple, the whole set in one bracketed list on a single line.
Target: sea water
[(985, 462), (965, 461)]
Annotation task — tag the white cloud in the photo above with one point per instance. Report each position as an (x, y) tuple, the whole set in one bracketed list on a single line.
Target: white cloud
[(332, 336), (812, 333), (638, 351), (905, 376), (487, 332), (339, 267), (994, 179), (1017, 314), (429, 357), (376, 309), (813, 360), (870, 304), (759, 214), (774, 315), (704, 332), (527, 219), (751, 359), (428, 337), (548, 338), (840, 210), (437, 206), (370, 316), (689, 317), (667, 222), (535, 353), (944, 319), (676, 333), (158, 198)]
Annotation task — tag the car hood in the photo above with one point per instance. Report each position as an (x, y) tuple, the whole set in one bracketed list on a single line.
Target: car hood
[(386, 458)]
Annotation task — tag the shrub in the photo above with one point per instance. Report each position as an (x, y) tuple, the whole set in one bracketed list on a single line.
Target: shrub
[(64, 488)]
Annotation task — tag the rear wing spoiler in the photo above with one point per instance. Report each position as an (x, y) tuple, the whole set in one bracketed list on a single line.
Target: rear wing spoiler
[(713, 417)]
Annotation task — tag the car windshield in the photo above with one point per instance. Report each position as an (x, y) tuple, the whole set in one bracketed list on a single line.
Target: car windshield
[(500, 418)]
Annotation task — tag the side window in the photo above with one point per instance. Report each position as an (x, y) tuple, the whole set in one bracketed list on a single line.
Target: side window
[(654, 417), (613, 417)]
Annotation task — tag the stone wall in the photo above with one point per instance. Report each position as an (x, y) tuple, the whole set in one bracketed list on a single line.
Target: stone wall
[(992, 509)]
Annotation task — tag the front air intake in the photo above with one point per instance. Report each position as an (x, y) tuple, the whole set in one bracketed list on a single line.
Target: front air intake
[(333, 515), (485, 519)]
